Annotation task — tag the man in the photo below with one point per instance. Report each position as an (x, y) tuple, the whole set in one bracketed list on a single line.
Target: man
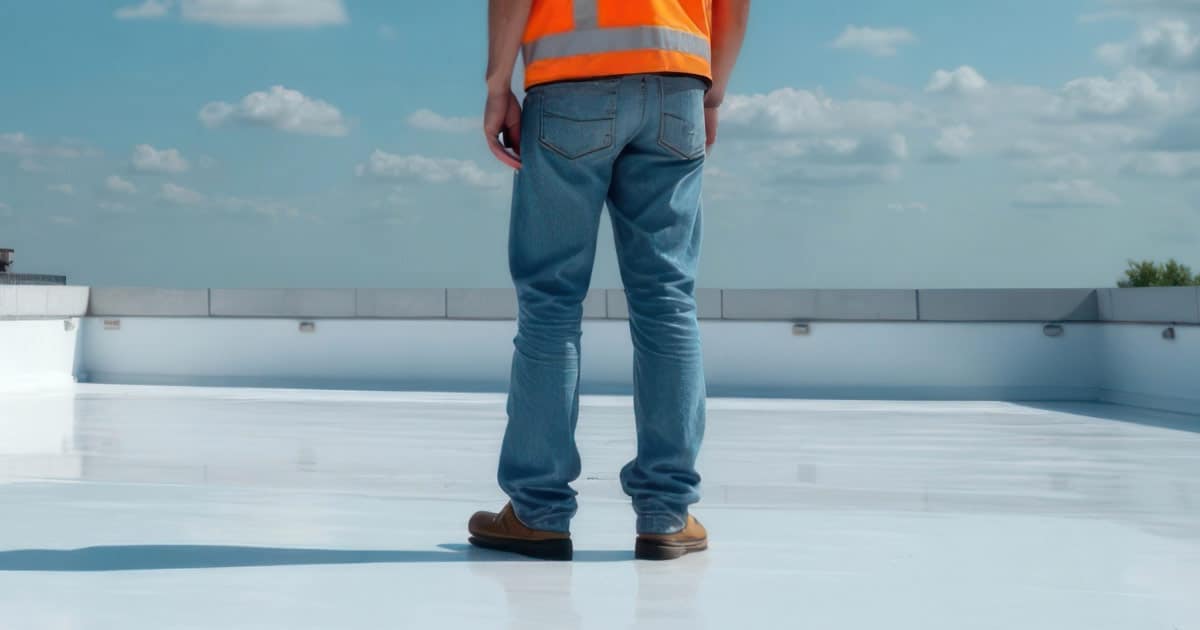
[(621, 107)]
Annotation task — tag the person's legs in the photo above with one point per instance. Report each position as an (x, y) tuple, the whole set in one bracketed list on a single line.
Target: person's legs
[(655, 204), (569, 144)]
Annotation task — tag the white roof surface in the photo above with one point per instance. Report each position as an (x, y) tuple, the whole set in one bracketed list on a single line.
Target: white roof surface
[(150, 508)]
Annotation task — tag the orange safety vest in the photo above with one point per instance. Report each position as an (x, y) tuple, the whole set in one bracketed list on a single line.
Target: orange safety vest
[(583, 39)]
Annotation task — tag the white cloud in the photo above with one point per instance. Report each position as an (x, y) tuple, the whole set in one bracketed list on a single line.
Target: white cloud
[(114, 206), (15, 143), (61, 220), (953, 143), (962, 81), (24, 146), (148, 10), (1099, 117), (881, 42), (1165, 44), (181, 196), (433, 121), (244, 13), (1065, 193), (5, 209), (812, 140), (793, 111), (837, 175), (147, 159), (1047, 159), (426, 169), (876, 149), (1158, 164), (1131, 92), (118, 185), (65, 189), (1086, 133), (388, 32), (266, 13), (266, 207), (30, 165), (278, 108), (910, 206)]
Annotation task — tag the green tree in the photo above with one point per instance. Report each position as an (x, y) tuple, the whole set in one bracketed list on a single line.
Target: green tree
[(1147, 273)]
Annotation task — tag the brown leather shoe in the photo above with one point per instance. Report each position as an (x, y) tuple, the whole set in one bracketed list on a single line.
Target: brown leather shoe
[(505, 532), (691, 539)]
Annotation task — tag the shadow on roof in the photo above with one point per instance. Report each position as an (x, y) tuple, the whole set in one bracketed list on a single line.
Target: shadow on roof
[(165, 557), (1121, 413)]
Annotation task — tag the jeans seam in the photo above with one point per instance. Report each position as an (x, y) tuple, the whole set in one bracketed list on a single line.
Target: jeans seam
[(642, 117)]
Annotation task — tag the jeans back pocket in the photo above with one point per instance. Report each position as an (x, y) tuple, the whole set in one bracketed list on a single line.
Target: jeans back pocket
[(682, 126), (578, 119)]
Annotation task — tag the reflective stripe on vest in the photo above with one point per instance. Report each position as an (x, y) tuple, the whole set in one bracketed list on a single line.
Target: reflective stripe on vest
[(588, 38), (587, 15), (602, 40)]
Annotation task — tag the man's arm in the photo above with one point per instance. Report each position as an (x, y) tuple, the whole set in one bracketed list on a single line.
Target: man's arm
[(506, 28), (502, 113), (730, 18)]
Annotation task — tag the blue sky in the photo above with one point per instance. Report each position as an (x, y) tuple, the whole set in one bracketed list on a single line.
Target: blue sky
[(333, 143)]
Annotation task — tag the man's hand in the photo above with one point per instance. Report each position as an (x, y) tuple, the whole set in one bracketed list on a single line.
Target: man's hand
[(712, 119), (502, 126)]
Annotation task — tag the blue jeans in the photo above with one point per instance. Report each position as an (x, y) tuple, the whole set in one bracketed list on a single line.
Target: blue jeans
[(637, 143)]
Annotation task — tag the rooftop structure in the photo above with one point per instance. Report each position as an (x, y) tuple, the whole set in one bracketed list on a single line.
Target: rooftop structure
[(924, 459)]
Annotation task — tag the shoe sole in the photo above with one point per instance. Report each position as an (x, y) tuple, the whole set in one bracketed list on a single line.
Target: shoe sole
[(558, 550), (659, 550)]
